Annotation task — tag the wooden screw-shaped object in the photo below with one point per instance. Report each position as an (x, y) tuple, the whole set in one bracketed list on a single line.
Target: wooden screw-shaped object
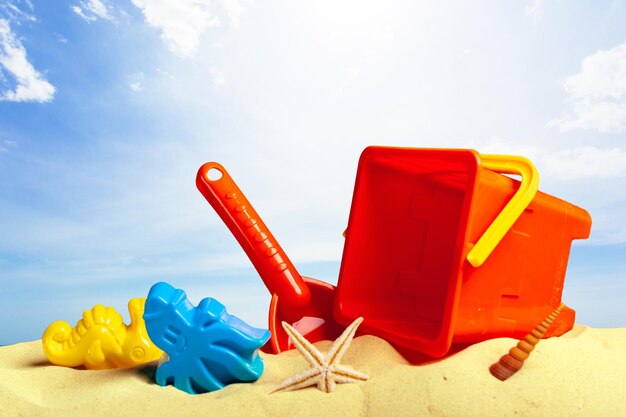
[(514, 360)]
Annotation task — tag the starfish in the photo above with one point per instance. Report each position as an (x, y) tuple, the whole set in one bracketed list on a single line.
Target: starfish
[(325, 370)]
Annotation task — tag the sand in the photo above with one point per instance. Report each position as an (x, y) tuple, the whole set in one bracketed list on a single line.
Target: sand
[(582, 373)]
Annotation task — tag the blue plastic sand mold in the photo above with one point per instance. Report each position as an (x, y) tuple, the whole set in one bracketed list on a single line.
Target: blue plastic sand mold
[(207, 347)]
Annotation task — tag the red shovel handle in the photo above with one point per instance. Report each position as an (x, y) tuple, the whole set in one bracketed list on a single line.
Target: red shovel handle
[(271, 262)]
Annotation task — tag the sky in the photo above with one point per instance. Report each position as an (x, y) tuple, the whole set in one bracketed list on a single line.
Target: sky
[(108, 108)]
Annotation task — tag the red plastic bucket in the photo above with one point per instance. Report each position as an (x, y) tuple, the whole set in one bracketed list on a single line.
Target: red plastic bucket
[(417, 215)]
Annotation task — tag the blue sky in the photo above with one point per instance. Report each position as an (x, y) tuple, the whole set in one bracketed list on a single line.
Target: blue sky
[(108, 108)]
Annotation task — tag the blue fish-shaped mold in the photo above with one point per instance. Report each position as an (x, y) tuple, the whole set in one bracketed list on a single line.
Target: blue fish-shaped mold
[(207, 347)]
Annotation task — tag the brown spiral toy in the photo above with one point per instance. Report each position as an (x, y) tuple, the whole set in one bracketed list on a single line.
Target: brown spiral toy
[(514, 360)]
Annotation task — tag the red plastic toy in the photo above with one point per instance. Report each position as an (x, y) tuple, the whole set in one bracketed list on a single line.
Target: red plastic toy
[(305, 303), (409, 266), (441, 248)]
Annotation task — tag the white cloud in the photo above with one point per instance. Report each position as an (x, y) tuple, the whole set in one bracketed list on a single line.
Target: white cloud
[(31, 85), (82, 14), (136, 82), (6, 145), (535, 9), (574, 164), (61, 38), (136, 86), (91, 10), (182, 22), (234, 10), (597, 94), (12, 12), (459, 58), (586, 162), (218, 77)]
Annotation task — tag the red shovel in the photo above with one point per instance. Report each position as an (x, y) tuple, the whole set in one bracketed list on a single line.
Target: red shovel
[(305, 303)]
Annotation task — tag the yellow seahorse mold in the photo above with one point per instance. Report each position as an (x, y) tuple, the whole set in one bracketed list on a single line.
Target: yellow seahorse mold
[(101, 340)]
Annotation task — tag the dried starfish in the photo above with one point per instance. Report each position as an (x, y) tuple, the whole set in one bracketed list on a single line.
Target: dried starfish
[(325, 369)]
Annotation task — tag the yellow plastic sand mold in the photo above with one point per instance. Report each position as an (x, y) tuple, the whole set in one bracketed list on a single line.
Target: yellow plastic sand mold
[(101, 340)]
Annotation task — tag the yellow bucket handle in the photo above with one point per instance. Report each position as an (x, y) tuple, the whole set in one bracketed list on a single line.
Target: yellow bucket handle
[(505, 164)]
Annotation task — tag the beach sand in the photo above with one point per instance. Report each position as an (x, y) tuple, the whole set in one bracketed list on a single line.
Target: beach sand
[(582, 373)]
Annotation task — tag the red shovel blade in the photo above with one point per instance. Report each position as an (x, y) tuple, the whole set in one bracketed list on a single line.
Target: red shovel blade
[(315, 321), (305, 303)]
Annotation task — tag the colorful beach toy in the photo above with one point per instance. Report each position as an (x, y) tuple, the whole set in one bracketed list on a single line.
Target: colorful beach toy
[(442, 248), (207, 347), (305, 303), (101, 340)]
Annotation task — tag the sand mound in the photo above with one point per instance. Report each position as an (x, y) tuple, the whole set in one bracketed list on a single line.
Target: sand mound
[(582, 373)]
